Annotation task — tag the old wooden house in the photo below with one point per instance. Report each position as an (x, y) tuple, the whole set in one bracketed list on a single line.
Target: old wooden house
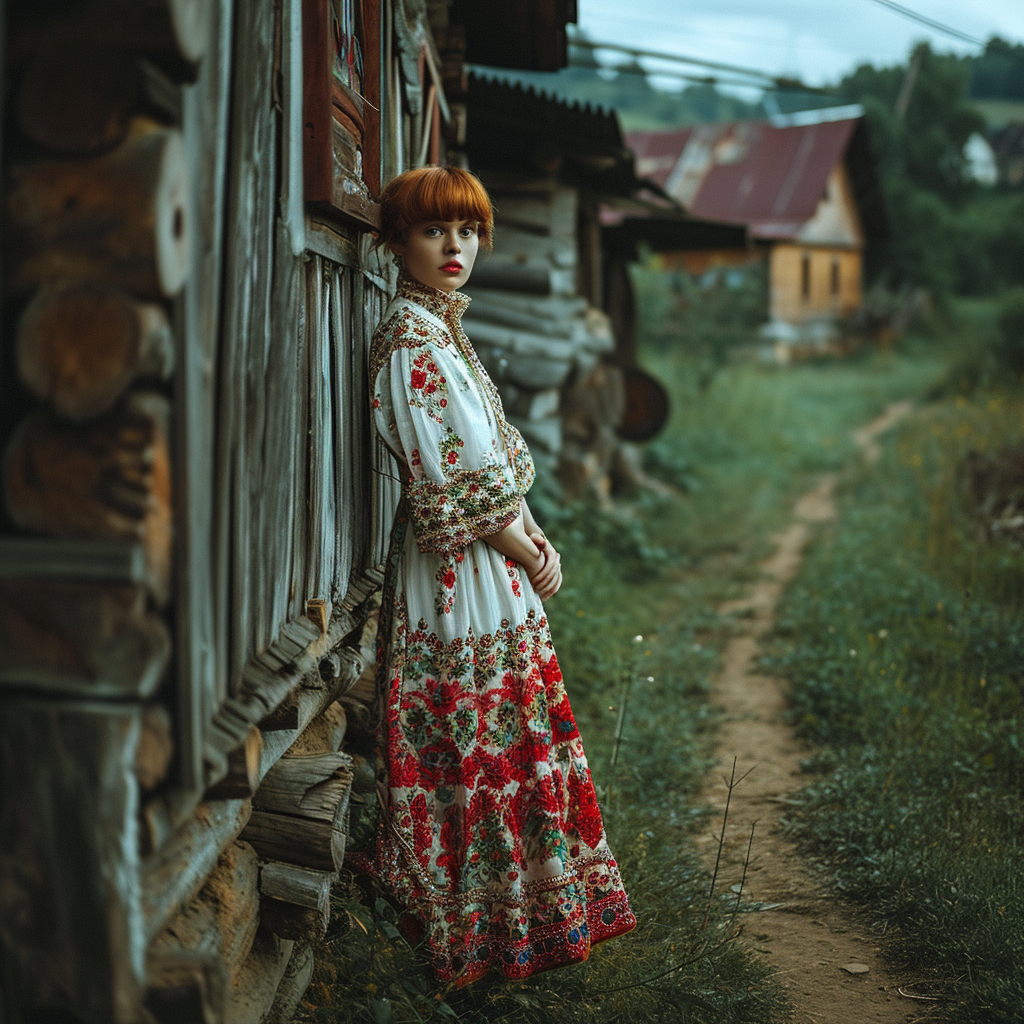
[(804, 187), (194, 507)]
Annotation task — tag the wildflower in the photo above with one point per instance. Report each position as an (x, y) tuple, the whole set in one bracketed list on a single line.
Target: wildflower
[(638, 639)]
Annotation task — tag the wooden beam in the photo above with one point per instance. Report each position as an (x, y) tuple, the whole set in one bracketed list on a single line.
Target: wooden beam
[(174, 34), (156, 747), (84, 639), (122, 219), (175, 873), (72, 560), (221, 920), (109, 479), (79, 101), (80, 344), (71, 932)]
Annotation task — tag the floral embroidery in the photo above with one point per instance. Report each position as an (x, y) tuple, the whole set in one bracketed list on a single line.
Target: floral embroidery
[(446, 578), (513, 574), (428, 386), (522, 461), (471, 504), (449, 447)]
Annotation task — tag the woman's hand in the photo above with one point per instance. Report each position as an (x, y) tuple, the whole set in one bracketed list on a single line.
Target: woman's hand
[(548, 578)]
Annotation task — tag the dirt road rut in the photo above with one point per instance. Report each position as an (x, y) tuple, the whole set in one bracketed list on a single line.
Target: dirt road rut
[(824, 955)]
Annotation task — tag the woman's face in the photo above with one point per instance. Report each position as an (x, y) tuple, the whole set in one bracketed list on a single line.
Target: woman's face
[(440, 253)]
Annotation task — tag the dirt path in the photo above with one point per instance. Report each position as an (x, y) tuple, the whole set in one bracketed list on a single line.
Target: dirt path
[(806, 933)]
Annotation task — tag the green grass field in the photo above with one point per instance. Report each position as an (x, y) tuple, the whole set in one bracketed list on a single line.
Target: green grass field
[(904, 642)]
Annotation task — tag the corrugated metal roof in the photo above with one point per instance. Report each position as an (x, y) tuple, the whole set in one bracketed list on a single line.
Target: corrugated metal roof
[(766, 176), (512, 126)]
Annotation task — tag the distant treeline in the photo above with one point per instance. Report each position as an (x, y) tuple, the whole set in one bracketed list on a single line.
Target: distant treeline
[(997, 73)]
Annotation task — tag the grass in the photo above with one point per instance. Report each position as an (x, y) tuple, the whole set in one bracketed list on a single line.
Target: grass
[(904, 642), (744, 446)]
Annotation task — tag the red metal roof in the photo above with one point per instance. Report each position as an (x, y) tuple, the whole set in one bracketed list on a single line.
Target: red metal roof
[(768, 176)]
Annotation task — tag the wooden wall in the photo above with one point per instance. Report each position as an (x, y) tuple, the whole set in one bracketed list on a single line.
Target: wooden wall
[(803, 280)]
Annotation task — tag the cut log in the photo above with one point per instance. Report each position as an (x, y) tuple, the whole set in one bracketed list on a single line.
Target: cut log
[(81, 344), (304, 841), (185, 986), (294, 983), (121, 219), (288, 921), (83, 639), (302, 887), (179, 869), (79, 101), (243, 765), (174, 34), (221, 920), (324, 735), (108, 480), (254, 990), (316, 787), (156, 747)]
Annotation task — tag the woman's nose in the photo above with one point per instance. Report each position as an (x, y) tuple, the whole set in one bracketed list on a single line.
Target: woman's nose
[(453, 244)]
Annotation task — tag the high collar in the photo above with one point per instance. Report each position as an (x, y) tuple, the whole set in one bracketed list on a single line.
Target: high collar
[(434, 300)]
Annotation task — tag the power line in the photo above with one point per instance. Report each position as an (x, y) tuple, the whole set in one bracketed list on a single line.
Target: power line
[(784, 84), (588, 44), (906, 12)]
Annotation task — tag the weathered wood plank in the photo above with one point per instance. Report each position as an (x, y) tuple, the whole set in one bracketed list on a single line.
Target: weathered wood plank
[(72, 932), (200, 618), (248, 272)]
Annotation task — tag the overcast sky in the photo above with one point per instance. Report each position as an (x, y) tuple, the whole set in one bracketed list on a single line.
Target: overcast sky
[(816, 41)]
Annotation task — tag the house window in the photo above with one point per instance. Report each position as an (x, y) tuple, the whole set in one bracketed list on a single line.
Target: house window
[(833, 284), (805, 276), (341, 106)]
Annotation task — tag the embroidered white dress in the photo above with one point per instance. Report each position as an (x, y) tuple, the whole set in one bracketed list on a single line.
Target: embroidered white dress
[(491, 836)]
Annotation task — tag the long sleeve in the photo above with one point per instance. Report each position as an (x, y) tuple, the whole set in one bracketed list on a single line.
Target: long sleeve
[(462, 486)]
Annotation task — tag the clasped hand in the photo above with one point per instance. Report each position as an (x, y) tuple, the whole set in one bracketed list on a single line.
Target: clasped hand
[(546, 579)]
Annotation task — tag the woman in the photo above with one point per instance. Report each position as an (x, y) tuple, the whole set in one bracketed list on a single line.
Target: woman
[(490, 832)]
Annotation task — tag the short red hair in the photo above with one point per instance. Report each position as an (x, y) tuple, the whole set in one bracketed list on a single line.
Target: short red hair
[(434, 193)]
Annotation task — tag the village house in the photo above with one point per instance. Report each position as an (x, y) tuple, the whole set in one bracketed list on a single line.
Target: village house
[(802, 185)]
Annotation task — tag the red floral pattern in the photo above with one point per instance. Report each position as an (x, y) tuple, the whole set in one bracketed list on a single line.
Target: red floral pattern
[(493, 837)]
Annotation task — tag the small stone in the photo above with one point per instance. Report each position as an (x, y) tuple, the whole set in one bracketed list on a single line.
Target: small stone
[(855, 968)]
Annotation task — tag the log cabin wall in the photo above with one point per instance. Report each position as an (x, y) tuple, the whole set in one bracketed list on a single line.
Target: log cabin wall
[(194, 505)]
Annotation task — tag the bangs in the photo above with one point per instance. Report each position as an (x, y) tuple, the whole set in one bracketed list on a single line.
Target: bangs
[(434, 193)]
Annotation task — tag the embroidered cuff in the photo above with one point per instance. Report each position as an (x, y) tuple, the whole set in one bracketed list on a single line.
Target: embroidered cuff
[(469, 505), (522, 460)]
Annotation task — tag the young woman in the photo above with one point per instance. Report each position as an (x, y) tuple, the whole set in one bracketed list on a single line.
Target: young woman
[(490, 833)]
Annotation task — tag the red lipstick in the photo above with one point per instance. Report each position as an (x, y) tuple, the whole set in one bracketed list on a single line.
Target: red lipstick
[(452, 267)]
